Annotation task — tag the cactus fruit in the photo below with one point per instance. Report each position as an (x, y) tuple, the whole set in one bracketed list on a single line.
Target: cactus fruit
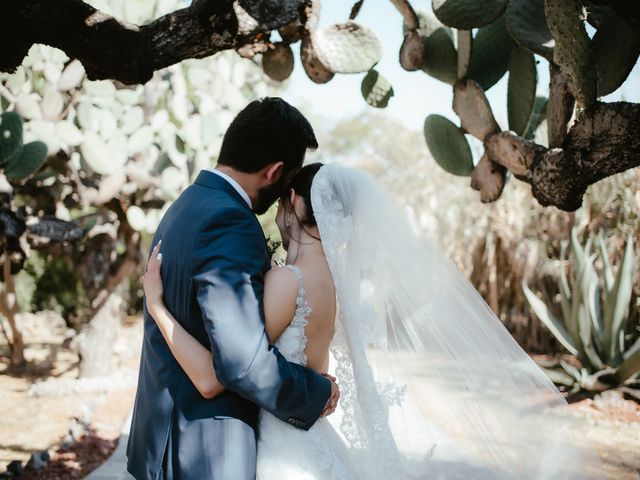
[(448, 145), (376, 90), (572, 50), (527, 24), (521, 90), (277, 62), (468, 14), (491, 53)]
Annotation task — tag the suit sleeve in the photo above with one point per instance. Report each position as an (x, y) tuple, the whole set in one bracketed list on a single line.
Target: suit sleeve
[(229, 283)]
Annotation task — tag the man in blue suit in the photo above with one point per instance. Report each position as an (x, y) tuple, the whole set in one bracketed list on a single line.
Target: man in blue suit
[(214, 261)]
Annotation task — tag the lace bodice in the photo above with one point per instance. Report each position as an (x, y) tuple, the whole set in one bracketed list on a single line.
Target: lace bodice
[(293, 340)]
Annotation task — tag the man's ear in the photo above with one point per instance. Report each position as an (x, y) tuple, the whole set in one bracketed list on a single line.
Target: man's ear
[(274, 172)]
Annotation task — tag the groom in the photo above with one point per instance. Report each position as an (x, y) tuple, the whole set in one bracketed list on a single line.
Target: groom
[(214, 261)]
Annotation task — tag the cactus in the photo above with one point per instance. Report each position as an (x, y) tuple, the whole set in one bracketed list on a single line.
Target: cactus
[(572, 49), (10, 137), (490, 54), (277, 62), (347, 47), (376, 90), (521, 90), (471, 105), (614, 35), (439, 55), (527, 24), (19, 160), (594, 321), (448, 145), (31, 159), (468, 14)]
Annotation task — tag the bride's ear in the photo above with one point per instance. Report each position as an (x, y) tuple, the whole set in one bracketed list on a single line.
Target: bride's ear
[(292, 197)]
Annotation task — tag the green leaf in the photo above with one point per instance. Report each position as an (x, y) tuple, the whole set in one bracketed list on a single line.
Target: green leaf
[(559, 378), (629, 367), (552, 323), (490, 54), (468, 14), (527, 24), (448, 145), (616, 306), (33, 156), (376, 90), (521, 89), (615, 48), (10, 137), (606, 264)]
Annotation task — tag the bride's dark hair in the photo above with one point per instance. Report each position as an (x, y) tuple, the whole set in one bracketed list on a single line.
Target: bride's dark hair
[(301, 184)]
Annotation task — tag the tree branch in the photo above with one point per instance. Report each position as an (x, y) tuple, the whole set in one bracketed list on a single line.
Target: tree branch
[(112, 49), (603, 141)]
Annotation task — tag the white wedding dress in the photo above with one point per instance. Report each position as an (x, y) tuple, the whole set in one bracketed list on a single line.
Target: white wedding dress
[(432, 384), (285, 452)]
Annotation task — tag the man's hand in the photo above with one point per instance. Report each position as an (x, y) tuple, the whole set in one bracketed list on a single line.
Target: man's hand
[(332, 403)]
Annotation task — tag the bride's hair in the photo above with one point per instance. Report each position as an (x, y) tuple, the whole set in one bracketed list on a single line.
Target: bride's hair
[(301, 184)]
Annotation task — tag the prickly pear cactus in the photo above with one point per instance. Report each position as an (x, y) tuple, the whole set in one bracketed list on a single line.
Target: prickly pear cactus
[(376, 90), (468, 14), (448, 145), (572, 50), (18, 160)]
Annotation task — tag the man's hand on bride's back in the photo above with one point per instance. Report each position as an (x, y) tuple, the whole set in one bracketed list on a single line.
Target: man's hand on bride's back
[(332, 403)]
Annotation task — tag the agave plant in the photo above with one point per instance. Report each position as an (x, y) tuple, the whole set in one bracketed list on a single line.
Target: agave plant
[(595, 312)]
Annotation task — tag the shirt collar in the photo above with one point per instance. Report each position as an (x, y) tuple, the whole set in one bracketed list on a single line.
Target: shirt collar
[(234, 184)]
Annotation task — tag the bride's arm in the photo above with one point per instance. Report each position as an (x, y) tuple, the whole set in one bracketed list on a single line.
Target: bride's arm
[(193, 357)]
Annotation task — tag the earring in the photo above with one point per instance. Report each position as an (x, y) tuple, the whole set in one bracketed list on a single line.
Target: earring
[(287, 220)]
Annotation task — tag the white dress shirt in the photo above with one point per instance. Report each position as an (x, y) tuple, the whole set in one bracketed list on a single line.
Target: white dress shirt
[(234, 184)]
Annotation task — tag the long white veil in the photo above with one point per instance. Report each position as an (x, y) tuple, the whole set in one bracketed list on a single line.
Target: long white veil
[(433, 385)]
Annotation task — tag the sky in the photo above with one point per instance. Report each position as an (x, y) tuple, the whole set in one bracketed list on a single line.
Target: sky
[(416, 94)]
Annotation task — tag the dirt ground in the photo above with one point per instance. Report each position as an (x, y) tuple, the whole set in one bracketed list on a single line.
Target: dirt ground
[(39, 418), (41, 406)]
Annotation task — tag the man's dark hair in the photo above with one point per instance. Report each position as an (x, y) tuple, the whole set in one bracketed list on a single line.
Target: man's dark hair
[(267, 131)]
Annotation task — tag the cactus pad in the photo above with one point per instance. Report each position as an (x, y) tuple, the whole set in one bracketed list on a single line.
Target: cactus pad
[(527, 24), (376, 90), (439, 55), (347, 47), (10, 137), (30, 160), (277, 62), (448, 145), (490, 54), (521, 90), (468, 14)]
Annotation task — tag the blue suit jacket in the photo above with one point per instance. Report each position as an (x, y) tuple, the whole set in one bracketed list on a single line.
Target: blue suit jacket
[(214, 258)]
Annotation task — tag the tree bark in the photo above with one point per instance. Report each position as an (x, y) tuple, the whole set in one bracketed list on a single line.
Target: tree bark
[(603, 141), (113, 49)]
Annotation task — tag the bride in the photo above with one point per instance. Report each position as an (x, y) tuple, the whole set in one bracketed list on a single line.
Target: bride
[(433, 386)]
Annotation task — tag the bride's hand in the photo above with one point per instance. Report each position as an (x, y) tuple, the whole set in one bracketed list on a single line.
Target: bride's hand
[(152, 280)]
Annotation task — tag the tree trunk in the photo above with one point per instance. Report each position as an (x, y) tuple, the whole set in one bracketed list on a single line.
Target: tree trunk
[(95, 344), (9, 308)]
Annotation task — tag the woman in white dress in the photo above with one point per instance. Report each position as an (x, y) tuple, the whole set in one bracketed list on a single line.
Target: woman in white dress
[(433, 386)]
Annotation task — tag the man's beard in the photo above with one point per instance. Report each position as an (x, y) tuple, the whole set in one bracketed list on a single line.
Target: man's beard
[(268, 195)]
